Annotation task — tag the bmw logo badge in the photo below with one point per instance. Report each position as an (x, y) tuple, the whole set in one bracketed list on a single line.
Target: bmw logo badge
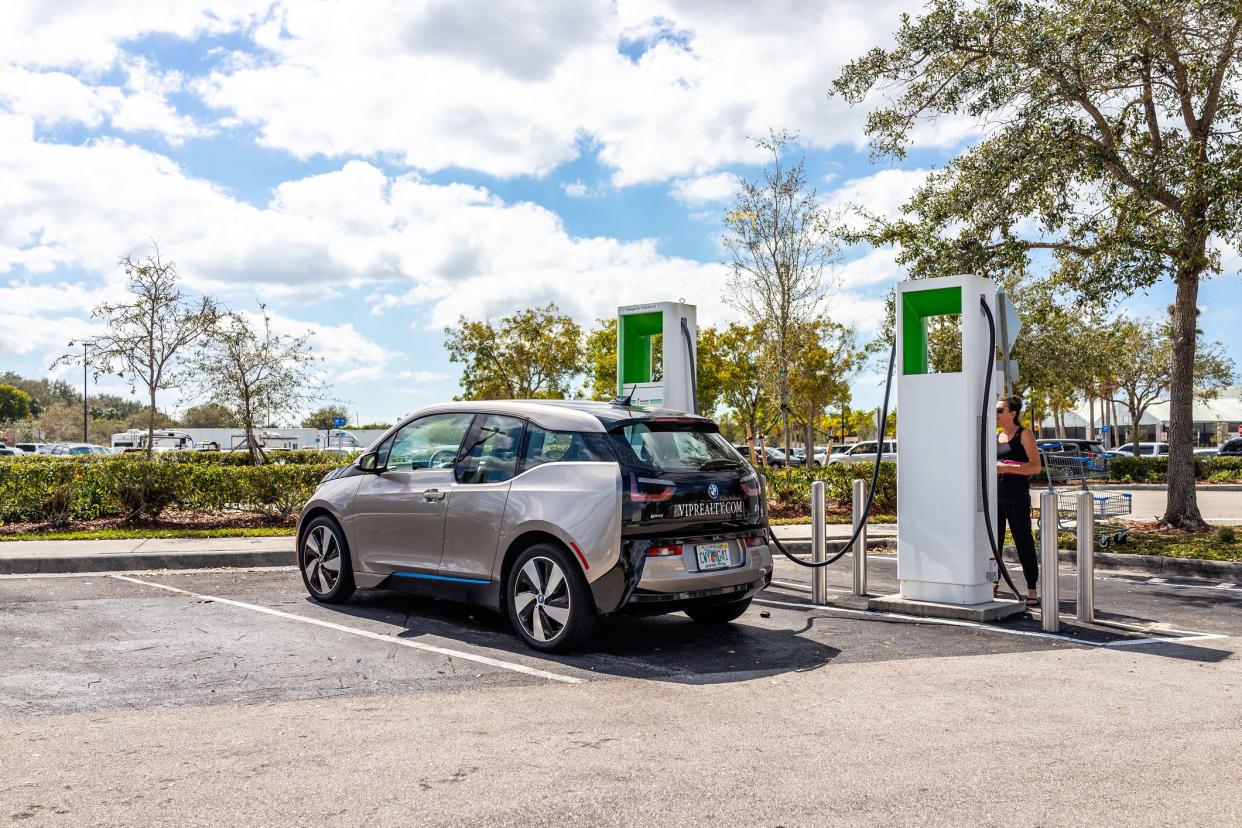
[(713, 491)]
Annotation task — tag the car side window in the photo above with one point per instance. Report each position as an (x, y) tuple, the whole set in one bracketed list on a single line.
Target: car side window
[(864, 448), (491, 452), (430, 442), (1164, 449), (544, 446)]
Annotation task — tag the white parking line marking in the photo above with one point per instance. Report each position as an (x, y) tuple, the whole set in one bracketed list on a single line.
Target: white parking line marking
[(1156, 581), (950, 622), (1225, 585), (387, 639)]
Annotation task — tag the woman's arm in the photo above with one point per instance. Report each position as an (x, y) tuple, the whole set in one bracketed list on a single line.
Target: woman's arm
[(1031, 467)]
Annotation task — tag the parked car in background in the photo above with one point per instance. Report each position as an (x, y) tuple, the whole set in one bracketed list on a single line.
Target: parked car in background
[(865, 452), (1232, 448), (822, 455), (63, 449), (1145, 450), (1069, 445), (1207, 451), (35, 448), (10, 451), (775, 457)]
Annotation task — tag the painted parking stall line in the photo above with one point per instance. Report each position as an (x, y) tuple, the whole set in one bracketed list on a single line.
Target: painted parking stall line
[(387, 639)]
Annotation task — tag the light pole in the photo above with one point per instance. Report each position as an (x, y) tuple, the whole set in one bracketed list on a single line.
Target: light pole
[(85, 437)]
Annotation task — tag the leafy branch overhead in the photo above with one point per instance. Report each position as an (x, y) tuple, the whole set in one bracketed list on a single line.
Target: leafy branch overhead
[(1110, 145)]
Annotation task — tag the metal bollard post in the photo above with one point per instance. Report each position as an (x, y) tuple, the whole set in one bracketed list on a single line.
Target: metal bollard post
[(819, 552), (1086, 559), (860, 546), (1049, 596)]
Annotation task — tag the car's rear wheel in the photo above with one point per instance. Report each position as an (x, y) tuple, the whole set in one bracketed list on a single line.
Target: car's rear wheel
[(324, 561), (548, 600), (719, 613)]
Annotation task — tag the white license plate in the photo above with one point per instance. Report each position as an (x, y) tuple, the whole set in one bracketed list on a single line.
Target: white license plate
[(713, 555)]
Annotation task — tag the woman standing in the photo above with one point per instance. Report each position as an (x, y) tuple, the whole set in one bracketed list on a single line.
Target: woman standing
[(1017, 459)]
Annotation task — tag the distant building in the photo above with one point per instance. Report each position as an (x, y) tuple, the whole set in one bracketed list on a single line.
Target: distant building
[(1215, 421)]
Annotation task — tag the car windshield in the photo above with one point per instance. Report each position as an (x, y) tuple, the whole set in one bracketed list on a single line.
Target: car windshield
[(673, 445)]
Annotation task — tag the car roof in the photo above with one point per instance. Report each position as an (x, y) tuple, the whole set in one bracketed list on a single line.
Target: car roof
[(560, 415)]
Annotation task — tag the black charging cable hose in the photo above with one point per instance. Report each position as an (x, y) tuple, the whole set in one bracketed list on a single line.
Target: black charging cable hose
[(983, 446), (875, 477)]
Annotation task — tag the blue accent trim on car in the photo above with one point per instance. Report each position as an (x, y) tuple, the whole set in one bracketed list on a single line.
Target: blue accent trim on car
[(448, 578)]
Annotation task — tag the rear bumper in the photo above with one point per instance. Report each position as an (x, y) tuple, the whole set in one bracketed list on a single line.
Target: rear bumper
[(668, 584)]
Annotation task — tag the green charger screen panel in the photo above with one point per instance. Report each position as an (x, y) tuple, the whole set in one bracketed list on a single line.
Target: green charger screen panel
[(916, 307), (634, 332)]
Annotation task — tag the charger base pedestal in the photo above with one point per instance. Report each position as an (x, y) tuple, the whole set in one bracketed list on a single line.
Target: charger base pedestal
[(985, 612)]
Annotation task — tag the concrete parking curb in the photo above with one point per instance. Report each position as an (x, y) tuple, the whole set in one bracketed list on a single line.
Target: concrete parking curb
[(138, 561), (1157, 565)]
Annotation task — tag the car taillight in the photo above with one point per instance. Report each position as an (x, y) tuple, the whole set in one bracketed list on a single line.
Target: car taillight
[(649, 490), (663, 551), (750, 487), (756, 540)]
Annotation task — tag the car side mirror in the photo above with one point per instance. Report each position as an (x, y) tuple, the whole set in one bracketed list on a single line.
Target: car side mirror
[(367, 462)]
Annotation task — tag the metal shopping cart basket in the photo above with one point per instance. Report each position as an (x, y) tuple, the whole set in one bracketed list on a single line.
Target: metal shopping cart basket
[(1068, 474)]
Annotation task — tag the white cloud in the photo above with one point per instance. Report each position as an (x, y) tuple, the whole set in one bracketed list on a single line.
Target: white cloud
[(882, 193), (575, 189), (875, 267), (705, 189), (513, 90)]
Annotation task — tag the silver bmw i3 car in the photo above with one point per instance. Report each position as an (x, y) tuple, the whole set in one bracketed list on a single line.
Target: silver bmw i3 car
[(553, 513)]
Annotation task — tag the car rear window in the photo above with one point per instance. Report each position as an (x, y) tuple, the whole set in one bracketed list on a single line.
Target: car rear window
[(545, 446), (671, 445)]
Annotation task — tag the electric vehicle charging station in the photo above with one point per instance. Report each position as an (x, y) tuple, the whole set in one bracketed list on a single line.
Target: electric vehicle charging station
[(944, 550), (675, 323)]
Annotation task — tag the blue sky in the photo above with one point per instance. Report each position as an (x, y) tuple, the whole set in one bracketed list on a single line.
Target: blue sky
[(373, 170)]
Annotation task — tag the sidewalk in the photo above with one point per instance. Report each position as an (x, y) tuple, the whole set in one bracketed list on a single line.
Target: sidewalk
[(37, 557)]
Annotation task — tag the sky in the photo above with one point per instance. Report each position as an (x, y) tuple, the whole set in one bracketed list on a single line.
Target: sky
[(371, 171)]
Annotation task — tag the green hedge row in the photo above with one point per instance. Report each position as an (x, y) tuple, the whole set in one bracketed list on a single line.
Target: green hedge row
[(791, 487), (56, 490), (240, 457), (1156, 469)]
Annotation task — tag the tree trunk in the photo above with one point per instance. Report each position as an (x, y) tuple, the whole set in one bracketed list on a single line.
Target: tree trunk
[(151, 426), (1090, 417), (1182, 510)]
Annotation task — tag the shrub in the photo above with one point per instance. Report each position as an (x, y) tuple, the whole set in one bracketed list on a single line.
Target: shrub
[(791, 488), (1226, 534), (141, 489), (1221, 477)]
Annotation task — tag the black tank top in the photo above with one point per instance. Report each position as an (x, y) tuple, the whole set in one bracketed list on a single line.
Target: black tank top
[(1013, 488)]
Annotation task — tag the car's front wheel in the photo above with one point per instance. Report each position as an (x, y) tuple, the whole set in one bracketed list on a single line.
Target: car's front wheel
[(719, 613), (324, 560), (548, 600)]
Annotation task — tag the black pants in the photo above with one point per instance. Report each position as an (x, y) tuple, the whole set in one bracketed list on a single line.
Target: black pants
[(1018, 517)]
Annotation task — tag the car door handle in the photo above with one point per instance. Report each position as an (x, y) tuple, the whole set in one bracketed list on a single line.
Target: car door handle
[(432, 495)]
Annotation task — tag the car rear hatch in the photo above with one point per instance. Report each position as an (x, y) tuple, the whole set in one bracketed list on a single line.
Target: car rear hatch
[(681, 478)]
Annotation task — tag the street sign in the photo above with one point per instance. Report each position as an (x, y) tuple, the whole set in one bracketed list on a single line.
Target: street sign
[(338, 422), (1011, 325), (1106, 429)]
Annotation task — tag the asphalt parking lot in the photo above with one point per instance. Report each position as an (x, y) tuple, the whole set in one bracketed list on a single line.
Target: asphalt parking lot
[(215, 686)]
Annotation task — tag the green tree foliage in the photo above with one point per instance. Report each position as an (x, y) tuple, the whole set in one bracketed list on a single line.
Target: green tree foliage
[(825, 355), (533, 354), (1141, 368), (324, 418), (1112, 144), (780, 250), (600, 356), (14, 404), (742, 376), (145, 339), (43, 392), (209, 415)]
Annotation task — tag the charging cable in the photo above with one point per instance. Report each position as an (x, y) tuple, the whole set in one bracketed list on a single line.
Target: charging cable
[(875, 477), (983, 446)]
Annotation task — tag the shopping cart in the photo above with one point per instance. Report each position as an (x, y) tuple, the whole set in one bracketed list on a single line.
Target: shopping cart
[(1070, 473)]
